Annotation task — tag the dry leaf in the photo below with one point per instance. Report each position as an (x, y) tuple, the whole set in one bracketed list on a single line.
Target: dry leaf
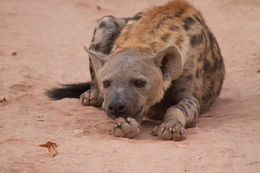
[(2, 100), (99, 8), (53, 151), (14, 54), (51, 148)]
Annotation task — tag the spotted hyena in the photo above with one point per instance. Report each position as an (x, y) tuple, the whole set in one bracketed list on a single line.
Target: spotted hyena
[(164, 63)]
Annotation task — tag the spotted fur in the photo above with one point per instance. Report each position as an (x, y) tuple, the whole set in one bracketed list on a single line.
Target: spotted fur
[(185, 27), (178, 24)]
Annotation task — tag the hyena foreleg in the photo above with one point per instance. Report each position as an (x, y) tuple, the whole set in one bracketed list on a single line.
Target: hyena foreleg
[(106, 31), (179, 117)]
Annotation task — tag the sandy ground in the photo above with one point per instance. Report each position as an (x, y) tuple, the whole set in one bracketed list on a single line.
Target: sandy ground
[(48, 36)]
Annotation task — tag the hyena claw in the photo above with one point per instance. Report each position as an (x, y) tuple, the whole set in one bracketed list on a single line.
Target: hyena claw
[(128, 128), (172, 130), (91, 98)]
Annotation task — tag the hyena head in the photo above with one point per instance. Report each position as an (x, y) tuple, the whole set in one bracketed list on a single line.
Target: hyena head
[(132, 80)]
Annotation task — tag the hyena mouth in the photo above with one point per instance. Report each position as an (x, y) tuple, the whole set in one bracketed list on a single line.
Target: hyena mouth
[(138, 112)]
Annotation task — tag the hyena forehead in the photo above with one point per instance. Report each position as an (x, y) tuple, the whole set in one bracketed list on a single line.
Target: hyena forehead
[(128, 63)]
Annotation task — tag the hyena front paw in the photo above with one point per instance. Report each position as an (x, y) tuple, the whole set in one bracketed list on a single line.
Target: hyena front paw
[(91, 98), (128, 128), (172, 129)]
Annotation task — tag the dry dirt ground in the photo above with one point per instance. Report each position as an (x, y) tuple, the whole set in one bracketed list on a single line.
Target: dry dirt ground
[(41, 47)]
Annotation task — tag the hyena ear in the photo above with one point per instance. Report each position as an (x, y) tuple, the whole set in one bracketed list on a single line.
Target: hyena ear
[(97, 58), (170, 62)]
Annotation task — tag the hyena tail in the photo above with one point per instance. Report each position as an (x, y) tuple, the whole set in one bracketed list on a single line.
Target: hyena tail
[(68, 91)]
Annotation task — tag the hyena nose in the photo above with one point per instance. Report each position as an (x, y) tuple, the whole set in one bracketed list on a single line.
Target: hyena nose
[(117, 108)]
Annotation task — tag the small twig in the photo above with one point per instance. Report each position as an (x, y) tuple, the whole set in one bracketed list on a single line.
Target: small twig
[(42, 161), (209, 115), (2, 99), (253, 163)]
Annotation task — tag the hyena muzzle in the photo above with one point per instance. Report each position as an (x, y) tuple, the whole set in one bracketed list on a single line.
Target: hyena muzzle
[(164, 63)]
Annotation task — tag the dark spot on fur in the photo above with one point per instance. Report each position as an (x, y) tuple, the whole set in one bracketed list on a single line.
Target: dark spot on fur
[(165, 37), (174, 28), (95, 30), (195, 115), (91, 70), (198, 19), (189, 77), (216, 63), (116, 24), (92, 46), (196, 40), (195, 95), (179, 13), (164, 64), (200, 58), (182, 89), (114, 36), (213, 41), (191, 124), (188, 21), (91, 73), (97, 46), (195, 101), (220, 63), (220, 85), (206, 66), (206, 97), (197, 73), (211, 86), (163, 20), (183, 109), (102, 24), (136, 18), (106, 49), (211, 38), (188, 105), (190, 102)]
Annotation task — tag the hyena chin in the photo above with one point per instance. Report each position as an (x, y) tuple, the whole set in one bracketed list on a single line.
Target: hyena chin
[(164, 63)]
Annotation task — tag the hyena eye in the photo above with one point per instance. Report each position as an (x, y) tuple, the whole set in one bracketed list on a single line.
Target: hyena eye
[(106, 83), (139, 83)]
